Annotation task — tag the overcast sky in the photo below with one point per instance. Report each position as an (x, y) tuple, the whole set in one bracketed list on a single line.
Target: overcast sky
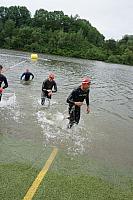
[(112, 18)]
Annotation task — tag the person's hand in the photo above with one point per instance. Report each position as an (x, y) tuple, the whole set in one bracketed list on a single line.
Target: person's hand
[(1, 90), (88, 109), (49, 92), (78, 103)]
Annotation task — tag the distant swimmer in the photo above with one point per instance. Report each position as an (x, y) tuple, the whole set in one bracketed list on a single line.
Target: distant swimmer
[(2, 79), (26, 75), (76, 99), (47, 86)]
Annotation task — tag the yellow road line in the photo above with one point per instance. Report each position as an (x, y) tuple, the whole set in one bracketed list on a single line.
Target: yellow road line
[(29, 195)]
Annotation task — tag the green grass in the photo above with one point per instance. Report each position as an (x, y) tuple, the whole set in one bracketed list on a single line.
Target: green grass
[(79, 178), (69, 177), (16, 179), (80, 187)]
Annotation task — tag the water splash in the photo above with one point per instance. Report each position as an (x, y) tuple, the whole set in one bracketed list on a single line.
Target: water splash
[(8, 100)]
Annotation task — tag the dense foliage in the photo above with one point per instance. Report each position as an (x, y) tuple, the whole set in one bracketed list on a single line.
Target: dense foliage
[(57, 33)]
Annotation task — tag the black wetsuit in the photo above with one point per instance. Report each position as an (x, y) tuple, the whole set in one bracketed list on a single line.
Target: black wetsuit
[(47, 85), (3, 79), (27, 76), (77, 95)]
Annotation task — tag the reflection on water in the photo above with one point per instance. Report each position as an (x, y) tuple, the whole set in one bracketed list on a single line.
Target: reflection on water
[(104, 134)]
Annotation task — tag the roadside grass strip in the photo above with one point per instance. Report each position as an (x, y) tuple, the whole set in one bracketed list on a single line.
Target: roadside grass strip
[(29, 195)]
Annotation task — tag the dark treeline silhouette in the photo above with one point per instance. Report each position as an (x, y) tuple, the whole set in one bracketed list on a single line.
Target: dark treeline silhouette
[(57, 33)]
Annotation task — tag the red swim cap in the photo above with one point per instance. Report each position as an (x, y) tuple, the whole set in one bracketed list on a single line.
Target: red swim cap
[(86, 80), (51, 75)]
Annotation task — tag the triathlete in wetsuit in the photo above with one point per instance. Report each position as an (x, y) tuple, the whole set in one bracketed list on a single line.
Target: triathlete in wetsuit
[(2, 79), (75, 101), (47, 86), (27, 75)]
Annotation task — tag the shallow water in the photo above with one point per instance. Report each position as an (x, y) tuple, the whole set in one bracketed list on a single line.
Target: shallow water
[(106, 134)]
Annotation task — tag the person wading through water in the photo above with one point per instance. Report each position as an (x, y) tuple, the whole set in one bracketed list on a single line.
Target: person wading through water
[(76, 99), (47, 87), (2, 79), (27, 75)]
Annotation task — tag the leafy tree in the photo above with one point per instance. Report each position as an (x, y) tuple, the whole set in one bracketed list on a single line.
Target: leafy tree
[(57, 33), (19, 14), (9, 28), (3, 14), (111, 45)]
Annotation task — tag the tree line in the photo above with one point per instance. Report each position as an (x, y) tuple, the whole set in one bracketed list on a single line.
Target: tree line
[(60, 34)]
